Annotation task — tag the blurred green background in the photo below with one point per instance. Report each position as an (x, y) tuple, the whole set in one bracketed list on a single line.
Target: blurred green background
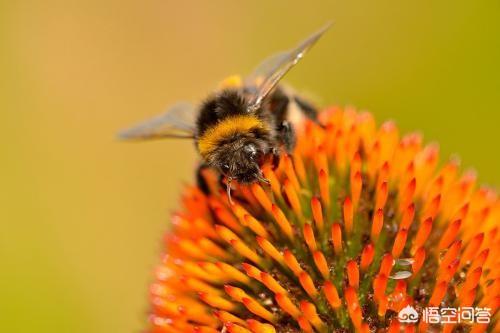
[(82, 215)]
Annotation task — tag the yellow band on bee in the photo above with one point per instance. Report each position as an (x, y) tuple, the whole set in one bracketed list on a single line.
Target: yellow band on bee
[(224, 129)]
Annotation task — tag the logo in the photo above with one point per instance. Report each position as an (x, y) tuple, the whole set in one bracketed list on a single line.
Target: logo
[(408, 315)]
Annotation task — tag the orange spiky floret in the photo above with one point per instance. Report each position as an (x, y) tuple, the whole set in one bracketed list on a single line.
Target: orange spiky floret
[(355, 225)]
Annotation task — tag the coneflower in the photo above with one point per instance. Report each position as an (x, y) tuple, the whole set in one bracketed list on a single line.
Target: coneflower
[(355, 226)]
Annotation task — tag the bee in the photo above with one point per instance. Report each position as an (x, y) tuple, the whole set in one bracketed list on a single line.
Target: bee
[(242, 124)]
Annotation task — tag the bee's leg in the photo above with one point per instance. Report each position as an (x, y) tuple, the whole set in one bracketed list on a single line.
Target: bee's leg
[(307, 108), (287, 135)]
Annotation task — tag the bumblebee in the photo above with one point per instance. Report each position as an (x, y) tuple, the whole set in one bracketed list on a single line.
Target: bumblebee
[(240, 125)]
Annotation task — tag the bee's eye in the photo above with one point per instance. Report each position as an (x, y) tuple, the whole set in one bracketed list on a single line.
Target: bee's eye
[(250, 150), (225, 167)]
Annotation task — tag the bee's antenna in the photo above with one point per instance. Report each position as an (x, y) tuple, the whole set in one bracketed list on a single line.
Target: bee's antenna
[(228, 190)]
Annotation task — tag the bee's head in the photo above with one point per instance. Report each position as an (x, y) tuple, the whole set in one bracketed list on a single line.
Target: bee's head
[(240, 159)]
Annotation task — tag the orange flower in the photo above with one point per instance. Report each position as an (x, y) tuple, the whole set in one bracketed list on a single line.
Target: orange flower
[(356, 225)]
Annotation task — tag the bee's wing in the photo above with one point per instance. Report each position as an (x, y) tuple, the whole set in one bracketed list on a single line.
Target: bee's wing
[(265, 69), (177, 122), (271, 70)]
